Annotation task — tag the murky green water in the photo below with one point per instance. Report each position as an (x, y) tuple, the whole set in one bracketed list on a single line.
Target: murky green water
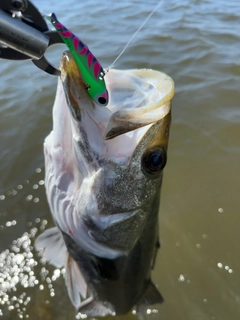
[(198, 44)]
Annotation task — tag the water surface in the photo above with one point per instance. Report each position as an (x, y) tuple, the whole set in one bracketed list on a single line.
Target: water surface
[(197, 44)]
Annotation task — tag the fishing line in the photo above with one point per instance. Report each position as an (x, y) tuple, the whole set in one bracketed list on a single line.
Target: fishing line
[(133, 36)]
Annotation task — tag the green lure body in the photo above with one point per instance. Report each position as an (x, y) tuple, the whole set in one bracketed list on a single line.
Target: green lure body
[(91, 70)]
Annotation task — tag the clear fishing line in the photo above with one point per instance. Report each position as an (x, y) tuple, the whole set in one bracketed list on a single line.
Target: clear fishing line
[(133, 36)]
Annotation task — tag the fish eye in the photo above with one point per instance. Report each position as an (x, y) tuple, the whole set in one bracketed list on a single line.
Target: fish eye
[(102, 100), (154, 160)]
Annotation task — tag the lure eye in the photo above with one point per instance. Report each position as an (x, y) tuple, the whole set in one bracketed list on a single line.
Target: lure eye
[(102, 100), (154, 160)]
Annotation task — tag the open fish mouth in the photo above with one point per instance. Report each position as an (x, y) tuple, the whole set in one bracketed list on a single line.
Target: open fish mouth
[(137, 98)]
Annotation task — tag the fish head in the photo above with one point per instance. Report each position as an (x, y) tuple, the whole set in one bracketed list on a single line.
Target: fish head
[(104, 166)]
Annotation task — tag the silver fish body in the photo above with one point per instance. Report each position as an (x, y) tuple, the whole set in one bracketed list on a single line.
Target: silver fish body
[(104, 170)]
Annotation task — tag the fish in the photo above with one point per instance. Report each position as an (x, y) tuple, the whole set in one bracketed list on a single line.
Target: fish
[(103, 177)]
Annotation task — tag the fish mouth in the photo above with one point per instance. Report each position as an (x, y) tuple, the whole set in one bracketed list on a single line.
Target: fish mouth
[(137, 99)]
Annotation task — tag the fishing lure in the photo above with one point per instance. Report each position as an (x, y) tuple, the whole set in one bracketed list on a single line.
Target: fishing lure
[(91, 70)]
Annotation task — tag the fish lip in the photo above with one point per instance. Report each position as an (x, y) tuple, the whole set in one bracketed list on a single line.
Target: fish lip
[(68, 65)]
